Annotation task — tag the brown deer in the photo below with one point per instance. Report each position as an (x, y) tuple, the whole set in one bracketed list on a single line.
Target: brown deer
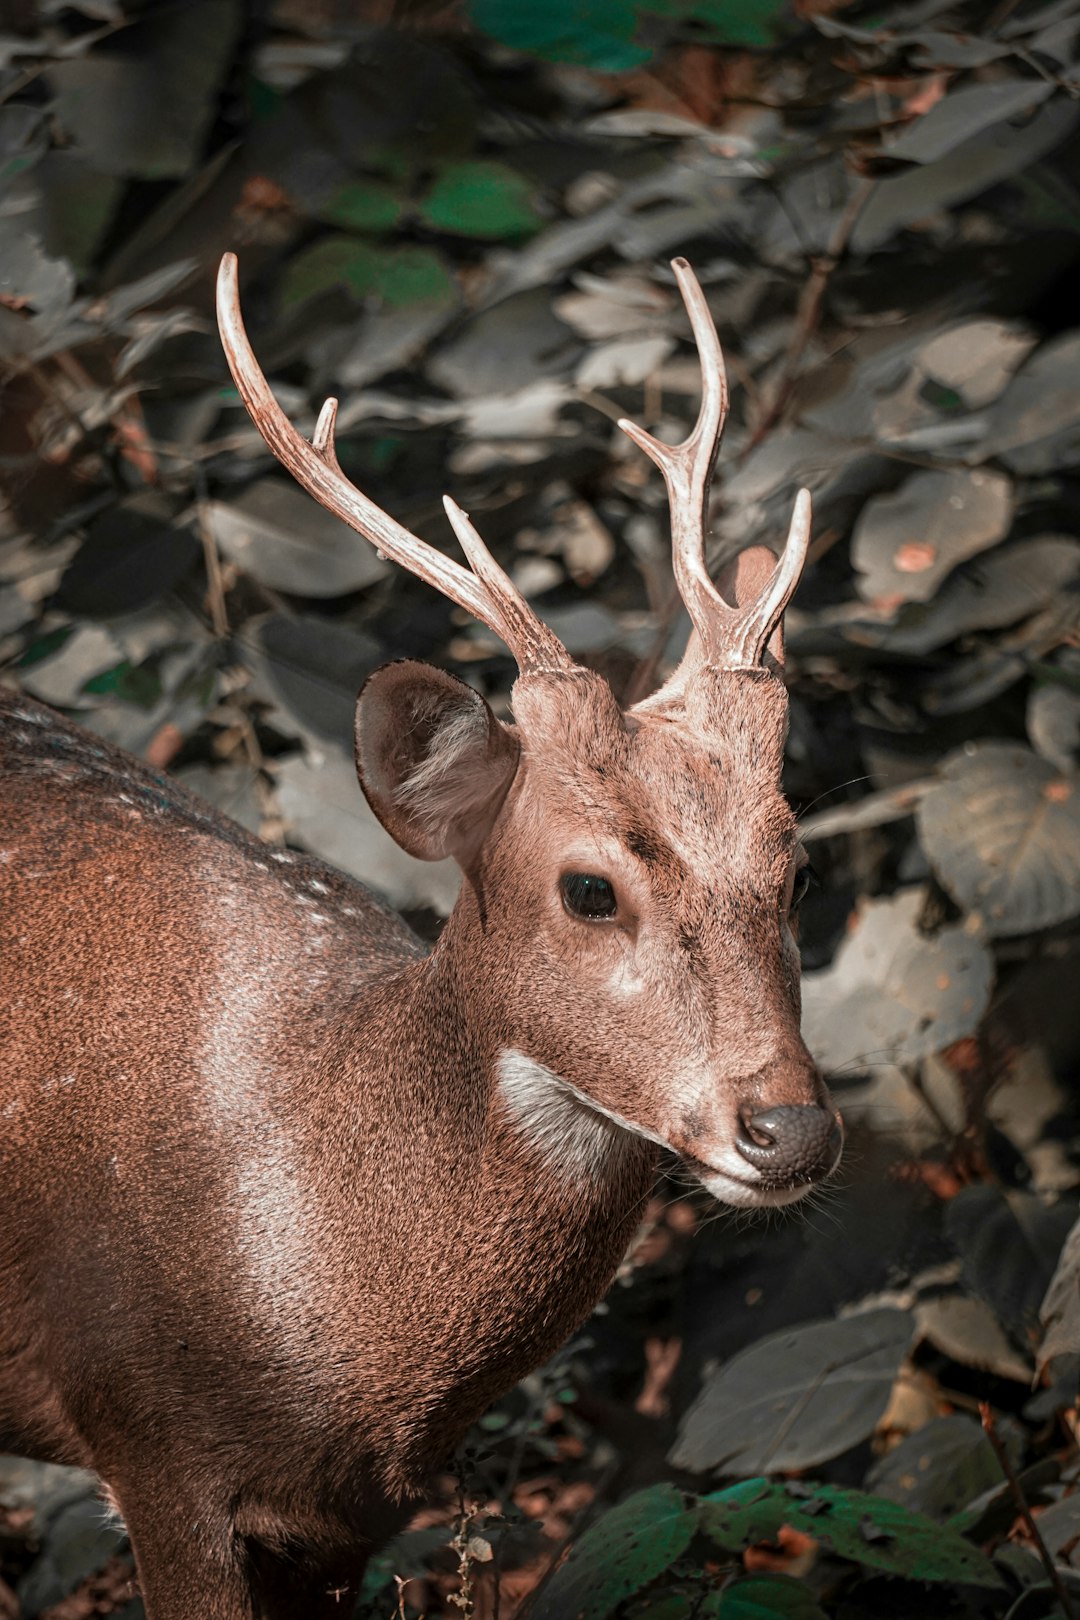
[(287, 1199)]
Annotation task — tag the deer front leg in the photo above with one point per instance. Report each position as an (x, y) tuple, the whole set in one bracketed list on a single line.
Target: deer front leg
[(186, 1567)]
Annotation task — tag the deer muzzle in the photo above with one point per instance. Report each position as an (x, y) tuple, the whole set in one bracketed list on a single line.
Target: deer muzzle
[(791, 1146)]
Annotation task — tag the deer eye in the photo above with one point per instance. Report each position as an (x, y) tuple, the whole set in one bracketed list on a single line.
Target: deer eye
[(803, 879), (586, 895)]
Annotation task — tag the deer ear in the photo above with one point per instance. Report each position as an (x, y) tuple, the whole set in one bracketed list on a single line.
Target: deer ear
[(434, 763)]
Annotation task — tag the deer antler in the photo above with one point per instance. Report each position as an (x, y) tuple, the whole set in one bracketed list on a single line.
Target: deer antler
[(730, 638), (487, 592)]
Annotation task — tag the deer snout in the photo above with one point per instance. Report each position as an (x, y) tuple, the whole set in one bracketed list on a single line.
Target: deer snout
[(792, 1145)]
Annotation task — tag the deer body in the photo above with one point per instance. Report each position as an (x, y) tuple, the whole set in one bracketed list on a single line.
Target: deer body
[(287, 1200)]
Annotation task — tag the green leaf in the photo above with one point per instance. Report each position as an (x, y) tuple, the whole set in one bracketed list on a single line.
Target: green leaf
[(599, 34), (616, 36), (396, 275), (362, 205), (481, 199), (864, 1529), (44, 646), (762, 1597), (628, 1548), (141, 685), (109, 679)]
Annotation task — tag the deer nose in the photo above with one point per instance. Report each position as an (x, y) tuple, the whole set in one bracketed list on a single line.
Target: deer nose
[(791, 1144)]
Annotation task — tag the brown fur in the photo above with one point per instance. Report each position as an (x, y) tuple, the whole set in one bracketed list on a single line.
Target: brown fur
[(273, 1235)]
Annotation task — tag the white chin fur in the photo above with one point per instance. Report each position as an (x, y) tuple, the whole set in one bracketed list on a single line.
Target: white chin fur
[(747, 1194)]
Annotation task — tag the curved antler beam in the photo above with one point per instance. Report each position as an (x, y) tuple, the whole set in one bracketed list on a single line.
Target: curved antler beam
[(487, 593)]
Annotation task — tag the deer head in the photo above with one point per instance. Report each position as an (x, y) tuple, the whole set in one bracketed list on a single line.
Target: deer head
[(632, 876)]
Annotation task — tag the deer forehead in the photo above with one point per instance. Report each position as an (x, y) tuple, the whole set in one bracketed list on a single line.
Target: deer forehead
[(665, 802)]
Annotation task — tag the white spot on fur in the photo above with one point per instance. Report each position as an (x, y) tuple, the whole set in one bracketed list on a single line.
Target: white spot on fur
[(317, 887)]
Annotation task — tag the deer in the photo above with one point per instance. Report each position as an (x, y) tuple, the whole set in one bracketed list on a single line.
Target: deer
[(288, 1197)]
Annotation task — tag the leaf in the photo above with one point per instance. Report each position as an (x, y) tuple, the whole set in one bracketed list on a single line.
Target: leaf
[(1002, 830), (905, 543), (61, 678), (506, 348), (1053, 710), (1059, 1527), (143, 105), (864, 1529), (1035, 425), (41, 1490), (280, 536), (762, 1597), (30, 278), (893, 995), (966, 1330), (796, 1398), (80, 1541), (397, 105), (313, 668), (24, 140), (77, 206), (481, 198), (361, 205), (1060, 1309), (132, 555), (629, 1547), (984, 160), (1008, 1244), (232, 788), (624, 362), (600, 35), (396, 275), (1007, 584), (976, 358), (965, 113), (939, 1469), (321, 802)]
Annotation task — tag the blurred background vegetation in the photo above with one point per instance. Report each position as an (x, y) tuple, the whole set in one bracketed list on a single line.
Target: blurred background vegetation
[(458, 216)]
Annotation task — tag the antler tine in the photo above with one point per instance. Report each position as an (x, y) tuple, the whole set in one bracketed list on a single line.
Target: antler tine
[(748, 631), (488, 594), (688, 467), (727, 637), (536, 647)]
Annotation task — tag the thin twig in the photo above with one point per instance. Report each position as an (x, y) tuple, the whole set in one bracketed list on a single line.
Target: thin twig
[(811, 301), (1017, 1490)]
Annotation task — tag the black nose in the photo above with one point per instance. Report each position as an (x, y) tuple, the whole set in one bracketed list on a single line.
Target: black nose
[(792, 1144)]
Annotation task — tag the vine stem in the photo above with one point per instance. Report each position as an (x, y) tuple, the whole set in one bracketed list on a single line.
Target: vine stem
[(1053, 1574)]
